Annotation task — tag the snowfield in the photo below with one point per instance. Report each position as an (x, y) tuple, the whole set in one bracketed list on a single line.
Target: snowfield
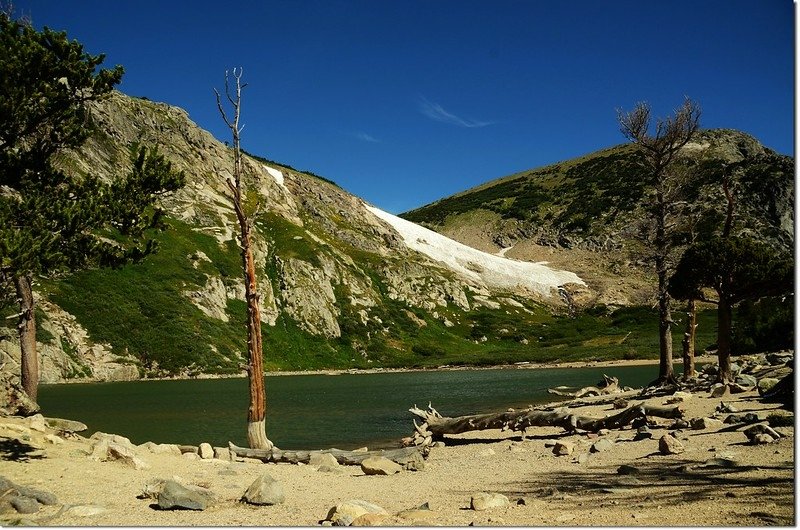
[(277, 175), (484, 268)]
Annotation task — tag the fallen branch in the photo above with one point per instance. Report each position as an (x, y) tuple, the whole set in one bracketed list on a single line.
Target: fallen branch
[(402, 456), (609, 385), (436, 426)]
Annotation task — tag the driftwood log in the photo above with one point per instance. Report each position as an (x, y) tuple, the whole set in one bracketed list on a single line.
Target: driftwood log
[(404, 456), (609, 385), (436, 426)]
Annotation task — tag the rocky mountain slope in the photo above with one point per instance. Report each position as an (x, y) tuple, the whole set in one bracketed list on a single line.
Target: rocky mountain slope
[(587, 214), (342, 283)]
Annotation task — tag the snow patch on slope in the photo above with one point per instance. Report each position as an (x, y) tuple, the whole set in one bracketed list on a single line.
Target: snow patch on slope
[(485, 268), (277, 175)]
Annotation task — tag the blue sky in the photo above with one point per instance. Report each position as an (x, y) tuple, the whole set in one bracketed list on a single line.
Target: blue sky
[(405, 102)]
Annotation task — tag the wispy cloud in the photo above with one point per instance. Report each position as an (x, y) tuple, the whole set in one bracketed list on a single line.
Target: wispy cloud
[(366, 137), (436, 112)]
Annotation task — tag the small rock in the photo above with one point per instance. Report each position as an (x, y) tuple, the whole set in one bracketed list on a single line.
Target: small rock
[(679, 425), (604, 444), (53, 439), (625, 469), (485, 501), (325, 468), (25, 504), (699, 424), (761, 429), (746, 381), (369, 519), (620, 403), (223, 453), (323, 459), (125, 455), (549, 443), (603, 432), (418, 516), (85, 510), (726, 408), (720, 390), (346, 512), (669, 445), (765, 385), (152, 488), (563, 448), (762, 438), (175, 496), (582, 458), (205, 451), (643, 433), (191, 456), (37, 423), (67, 426), (264, 491), (379, 465)]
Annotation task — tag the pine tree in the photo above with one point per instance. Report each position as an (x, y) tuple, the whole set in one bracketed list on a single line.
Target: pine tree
[(53, 221)]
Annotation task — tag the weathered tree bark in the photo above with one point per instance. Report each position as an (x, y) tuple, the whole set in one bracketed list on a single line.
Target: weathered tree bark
[(436, 426), (26, 326), (666, 372), (256, 412), (401, 456), (724, 318), (689, 340)]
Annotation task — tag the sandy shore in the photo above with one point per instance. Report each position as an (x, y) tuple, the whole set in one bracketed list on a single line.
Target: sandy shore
[(582, 489)]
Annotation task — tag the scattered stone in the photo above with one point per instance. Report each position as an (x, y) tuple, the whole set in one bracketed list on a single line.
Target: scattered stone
[(582, 458), (323, 459), (205, 451), (669, 445), (85, 510), (780, 419), (549, 443), (746, 380), (24, 504), (53, 439), (223, 453), (720, 390), (116, 438), (738, 388), (643, 433), (563, 448), (726, 408), (761, 429), (679, 425), (379, 465), (603, 432), (65, 426), (37, 423), (369, 519), (325, 468), (343, 514), (264, 491), (485, 501), (418, 516), (625, 469), (175, 496), (620, 403), (766, 384), (603, 444), (700, 424), (191, 456), (126, 455)]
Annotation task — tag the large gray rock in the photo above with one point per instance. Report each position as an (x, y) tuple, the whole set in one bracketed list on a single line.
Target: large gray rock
[(264, 491), (484, 501), (175, 496), (765, 385), (379, 465), (25, 504), (42, 497)]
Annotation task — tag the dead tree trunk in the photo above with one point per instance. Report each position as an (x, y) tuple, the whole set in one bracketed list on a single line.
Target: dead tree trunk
[(724, 318), (256, 412), (689, 339), (26, 326), (435, 426), (401, 456)]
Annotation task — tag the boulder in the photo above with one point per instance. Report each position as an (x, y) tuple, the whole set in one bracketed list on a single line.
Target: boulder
[(758, 429), (563, 448), (205, 451), (343, 514), (175, 496), (719, 390), (264, 491), (223, 453), (379, 465), (779, 358), (620, 403), (643, 433), (726, 408), (746, 380), (603, 444), (24, 504), (37, 423), (485, 501), (124, 454), (669, 445)]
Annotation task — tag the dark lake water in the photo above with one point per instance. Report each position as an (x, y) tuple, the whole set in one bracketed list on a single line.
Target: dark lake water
[(310, 411)]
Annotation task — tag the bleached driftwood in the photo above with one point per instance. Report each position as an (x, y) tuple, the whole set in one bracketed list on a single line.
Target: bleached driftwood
[(609, 385), (401, 456), (436, 426)]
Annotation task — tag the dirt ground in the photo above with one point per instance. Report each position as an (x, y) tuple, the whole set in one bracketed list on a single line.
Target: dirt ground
[(582, 489)]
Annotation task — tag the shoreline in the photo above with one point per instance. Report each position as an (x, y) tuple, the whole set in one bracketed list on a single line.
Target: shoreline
[(699, 360)]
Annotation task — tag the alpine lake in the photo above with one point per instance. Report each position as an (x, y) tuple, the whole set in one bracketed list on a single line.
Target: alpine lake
[(346, 411)]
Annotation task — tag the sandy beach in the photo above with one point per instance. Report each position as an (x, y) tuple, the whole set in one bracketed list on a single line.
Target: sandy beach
[(719, 479)]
